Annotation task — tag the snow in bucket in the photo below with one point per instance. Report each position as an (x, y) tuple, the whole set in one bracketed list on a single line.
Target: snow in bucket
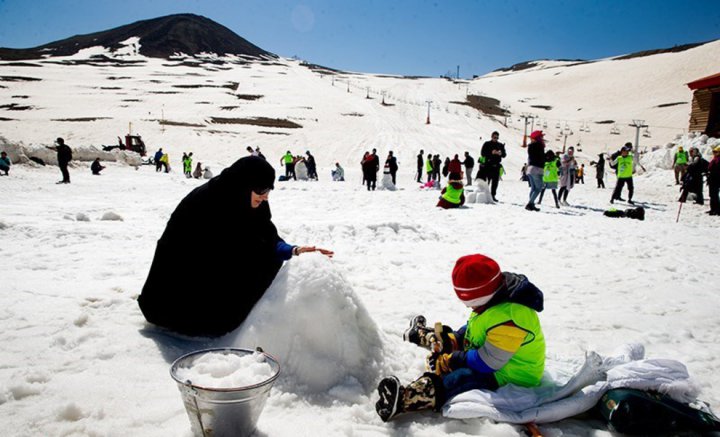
[(220, 370)]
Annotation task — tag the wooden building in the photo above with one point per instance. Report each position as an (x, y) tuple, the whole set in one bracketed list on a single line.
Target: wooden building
[(705, 115)]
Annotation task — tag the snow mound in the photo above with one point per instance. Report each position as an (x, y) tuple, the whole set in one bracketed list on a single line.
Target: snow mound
[(312, 321), (663, 158), (82, 217), (111, 216)]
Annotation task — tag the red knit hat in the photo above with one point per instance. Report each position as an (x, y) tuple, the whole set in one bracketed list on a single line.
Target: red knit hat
[(476, 278), (536, 135)]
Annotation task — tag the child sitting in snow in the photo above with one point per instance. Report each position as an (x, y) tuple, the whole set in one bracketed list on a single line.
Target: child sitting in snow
[(453, 195), (502, 342)]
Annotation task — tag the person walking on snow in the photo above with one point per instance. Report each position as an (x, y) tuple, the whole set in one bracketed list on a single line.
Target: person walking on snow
[(581, 174), (535, 167), (567, 175), (453, 195), (391, 164), (501, 343), (600, 170), (64, 156), (680, 164), (493, 152), (420, 163), (156, 158), (469, 163), (625, 171), (693, 180), (550, 176)]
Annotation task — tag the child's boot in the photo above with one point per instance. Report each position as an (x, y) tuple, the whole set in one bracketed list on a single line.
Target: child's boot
[(425, 393)]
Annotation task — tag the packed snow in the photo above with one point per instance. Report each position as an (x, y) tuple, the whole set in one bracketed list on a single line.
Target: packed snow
[(79, 359), (225, 370)]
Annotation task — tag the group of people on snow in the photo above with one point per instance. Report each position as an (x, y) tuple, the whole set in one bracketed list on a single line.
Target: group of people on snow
[(292, 162)]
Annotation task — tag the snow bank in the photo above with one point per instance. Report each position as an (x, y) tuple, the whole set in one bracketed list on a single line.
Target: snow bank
[(663, 158), (226, 370), (21, 153), (312, 321)]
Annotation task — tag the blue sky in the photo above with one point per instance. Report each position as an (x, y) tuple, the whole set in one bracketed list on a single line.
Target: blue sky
[(412, 37)]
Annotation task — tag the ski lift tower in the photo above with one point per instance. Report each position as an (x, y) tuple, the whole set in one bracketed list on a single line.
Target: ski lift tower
[(637, 124), (427, 121)]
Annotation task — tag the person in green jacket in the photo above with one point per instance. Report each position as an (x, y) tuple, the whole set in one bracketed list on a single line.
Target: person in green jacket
[(502, 342), (625, 170), (289, 160), (453, 195), (551, 176), (680, 164)]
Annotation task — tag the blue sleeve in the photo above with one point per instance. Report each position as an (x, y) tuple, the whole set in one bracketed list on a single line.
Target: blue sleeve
[(470, 359), (283, 251)]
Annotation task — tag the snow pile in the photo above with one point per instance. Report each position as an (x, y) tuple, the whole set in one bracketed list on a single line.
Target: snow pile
[(226, 370), (311, 320), (663, 158), (111, 216), (18, 152)]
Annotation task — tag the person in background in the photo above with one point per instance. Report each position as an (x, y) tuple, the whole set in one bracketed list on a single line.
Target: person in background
[(289, 160), (165, 161), (600, 170), (568, 173), (311, 168), (5, 163), (469, 163), (187, 165), (455, 165), (233, 213), (437, 167), (693, 179), (680, 164), (96, 167), (338, 174), (501, 343), (493, 151), (581, 174), (251, 151), (714, 182), (420, 165), (392, 165), (550, 176), (453, 195), (197, 174), (446, 167), (624, 167), (535, 167), (156, 158), (64, 156), (429, 167)]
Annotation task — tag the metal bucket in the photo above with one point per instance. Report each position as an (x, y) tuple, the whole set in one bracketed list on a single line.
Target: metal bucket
[(221, 412)]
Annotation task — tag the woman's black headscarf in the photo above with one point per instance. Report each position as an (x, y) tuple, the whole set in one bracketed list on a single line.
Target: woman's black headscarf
[(217, 255)]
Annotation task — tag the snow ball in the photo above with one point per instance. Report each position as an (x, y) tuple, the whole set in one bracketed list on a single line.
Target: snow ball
[(82, 217), (312, 321), (113, 216), (81, 320), (226, 370), (70, 412), (22, 390)]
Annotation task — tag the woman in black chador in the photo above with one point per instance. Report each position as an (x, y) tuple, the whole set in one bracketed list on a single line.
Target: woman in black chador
[(212, 294)]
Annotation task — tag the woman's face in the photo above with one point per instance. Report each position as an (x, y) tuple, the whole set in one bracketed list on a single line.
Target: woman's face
[(257, 199)]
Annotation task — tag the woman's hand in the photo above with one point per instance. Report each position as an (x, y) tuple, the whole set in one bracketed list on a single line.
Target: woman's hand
[(303, 249)]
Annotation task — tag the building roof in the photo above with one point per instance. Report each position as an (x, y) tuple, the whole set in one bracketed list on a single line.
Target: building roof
[(705, 82)]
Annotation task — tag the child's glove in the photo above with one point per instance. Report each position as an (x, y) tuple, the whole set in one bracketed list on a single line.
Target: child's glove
[(438, 363)]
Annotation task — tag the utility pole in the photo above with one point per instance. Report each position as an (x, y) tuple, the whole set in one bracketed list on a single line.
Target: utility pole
[(525, 116), (637, 124), (367, 96), (428, 111), (348, 86), (566, 132), (458, 72)]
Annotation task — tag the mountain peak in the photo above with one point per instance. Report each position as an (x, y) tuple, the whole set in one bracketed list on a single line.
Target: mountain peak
[(159, 38)]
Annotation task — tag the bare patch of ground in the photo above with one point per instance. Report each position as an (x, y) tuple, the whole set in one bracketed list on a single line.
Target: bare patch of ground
[(665, 105), (19, 79), (6, 119), (179, 123), (81, 119), (484, 104), (353, 114), (272, 133), (545, 107), (258, 121), (228, 108), (248, 96), (16, 107)]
